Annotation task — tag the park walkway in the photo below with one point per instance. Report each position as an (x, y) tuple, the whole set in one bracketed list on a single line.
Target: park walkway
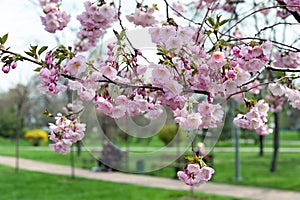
[(150, 181)]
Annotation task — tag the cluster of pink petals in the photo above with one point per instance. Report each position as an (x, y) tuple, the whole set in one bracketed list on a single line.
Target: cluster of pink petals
[(142, 17), (193, 174), (252, 59), (292, 95), (255, 119), (171, 37), (122, 106), (162, 77), (50, 75), (179, 7), (55, 19), (208, 115), (65, 132), (287, 60), (94, 22), (76, 65), (276, 102)]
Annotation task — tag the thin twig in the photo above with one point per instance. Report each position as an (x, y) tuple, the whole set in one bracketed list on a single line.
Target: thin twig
[(252, 13), (22, 57)]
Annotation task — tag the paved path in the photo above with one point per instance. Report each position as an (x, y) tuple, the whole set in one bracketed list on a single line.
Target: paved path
[(150, 181)]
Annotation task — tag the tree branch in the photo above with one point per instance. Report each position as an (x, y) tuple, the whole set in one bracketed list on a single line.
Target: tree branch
[(296, 15), (279, 69), (252, 13), (22, 57), (261, 39)]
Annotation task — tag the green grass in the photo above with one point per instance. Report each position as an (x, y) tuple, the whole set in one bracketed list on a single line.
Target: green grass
[(33, 185), (254, 169)]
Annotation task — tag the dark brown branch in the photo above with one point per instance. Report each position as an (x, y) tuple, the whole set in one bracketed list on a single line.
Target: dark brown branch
[(252, 13), (22, 57), (296, 15), (269, 68), (108, 80), (272, 26), (254, 77), (181, 15), (278, 69), (187, 90), (261, 39)]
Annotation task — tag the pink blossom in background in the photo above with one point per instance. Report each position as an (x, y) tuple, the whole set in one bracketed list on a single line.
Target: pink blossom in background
[(277, 89), (94, 22), (65, 132), (179, 7), (76, 65), (55, 19), (255, 119), (143, 18)]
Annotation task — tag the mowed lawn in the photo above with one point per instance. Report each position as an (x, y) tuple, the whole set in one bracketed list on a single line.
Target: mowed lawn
[(255, 170), (27, 185)]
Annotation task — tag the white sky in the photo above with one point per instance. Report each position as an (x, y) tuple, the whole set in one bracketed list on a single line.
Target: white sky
[(21, 19), (22, 27)]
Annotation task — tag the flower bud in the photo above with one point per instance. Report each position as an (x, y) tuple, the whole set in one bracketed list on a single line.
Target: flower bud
[(13, 65), (6, 68)]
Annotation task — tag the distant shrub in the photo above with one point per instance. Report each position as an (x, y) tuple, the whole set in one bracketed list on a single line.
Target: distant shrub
[(36, 137), (167, 133)]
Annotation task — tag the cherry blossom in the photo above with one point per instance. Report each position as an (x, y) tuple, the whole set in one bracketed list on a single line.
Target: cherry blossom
[(193, 174), (255, 119), (65, 132), (143, 17), (55, 19)]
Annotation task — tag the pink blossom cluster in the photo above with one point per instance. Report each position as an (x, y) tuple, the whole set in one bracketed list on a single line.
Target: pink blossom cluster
[(193, 174), (292, 95), (252, 58), (179, 7), (171, 37), (276, 102), (208, 115), (162, 77), (94, 22), (65, 132), (55, 19), (143, 17), (255, 119), (50, 75), (287, 60), (122, 106)]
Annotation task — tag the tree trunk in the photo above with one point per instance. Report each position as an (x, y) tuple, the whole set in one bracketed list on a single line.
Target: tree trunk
[(261, 145), (275, 143), (78, 147)]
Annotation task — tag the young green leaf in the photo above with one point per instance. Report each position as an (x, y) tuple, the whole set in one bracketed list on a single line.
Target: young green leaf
[(30, 54), (211, 21), (223, 22), (42, 49), (3, 38), (38, 69)]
